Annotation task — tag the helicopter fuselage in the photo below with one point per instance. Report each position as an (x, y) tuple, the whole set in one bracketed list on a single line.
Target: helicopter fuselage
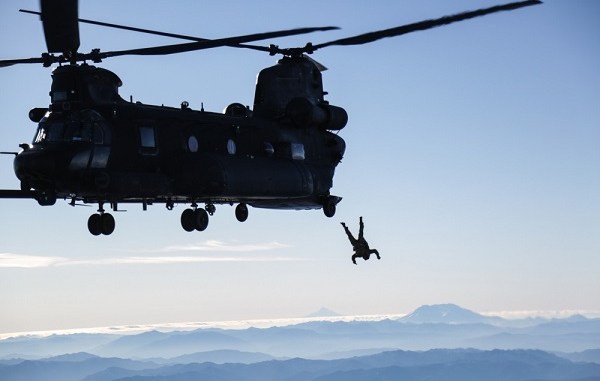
[(92, 146)]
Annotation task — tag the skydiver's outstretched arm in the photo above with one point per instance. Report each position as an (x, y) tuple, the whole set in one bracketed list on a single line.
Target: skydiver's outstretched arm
[(374, 251), (349, 234)]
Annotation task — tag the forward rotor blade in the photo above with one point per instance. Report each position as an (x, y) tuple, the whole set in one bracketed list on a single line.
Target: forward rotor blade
[(61, 28), (207, 44), (424, 25), (130, 28), (5, 63), (164, 34), (200, 44)]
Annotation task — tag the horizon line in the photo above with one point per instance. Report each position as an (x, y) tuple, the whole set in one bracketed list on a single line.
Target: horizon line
[(130, 329)]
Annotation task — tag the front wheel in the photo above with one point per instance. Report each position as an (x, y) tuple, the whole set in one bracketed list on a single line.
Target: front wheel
[(188, 220), (101, 224), (94, 224), (329, 206)]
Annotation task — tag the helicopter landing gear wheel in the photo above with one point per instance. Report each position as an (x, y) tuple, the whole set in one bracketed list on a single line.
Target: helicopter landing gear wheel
[(241, 212), (201, 219), (107, 223), (329, 206), (194, 219), (94, 223), (101, 224), (188, 220)]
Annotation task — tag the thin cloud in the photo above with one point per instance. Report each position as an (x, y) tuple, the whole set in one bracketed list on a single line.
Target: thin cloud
[(218, 246), (188, 326), (165, 260), (549, 314), (11, 260)]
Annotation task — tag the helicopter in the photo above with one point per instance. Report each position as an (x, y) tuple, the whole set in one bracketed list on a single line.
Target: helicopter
[(91, 146)]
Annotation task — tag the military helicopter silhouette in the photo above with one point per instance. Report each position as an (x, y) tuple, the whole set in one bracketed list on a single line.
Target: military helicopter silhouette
[(93, 147)]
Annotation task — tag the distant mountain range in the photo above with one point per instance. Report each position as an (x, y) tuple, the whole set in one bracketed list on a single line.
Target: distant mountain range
[(440, 364), (428, 327)]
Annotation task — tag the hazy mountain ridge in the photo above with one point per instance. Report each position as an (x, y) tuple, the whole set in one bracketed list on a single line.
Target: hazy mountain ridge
[(324, 350), (590, 355), (440, 364), (70, 370), (438, 326)]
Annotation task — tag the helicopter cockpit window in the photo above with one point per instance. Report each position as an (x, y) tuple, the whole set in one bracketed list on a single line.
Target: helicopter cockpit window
[(88, 127)]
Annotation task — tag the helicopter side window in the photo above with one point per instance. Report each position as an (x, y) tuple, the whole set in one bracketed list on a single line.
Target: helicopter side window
[(297, 151), (98, 134), (147, 140), (81, 132), (288, 150), (192, 144), (94, 127)]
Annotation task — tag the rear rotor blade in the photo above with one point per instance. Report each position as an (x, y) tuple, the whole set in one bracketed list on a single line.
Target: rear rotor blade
[(424, 25), (61, 28)]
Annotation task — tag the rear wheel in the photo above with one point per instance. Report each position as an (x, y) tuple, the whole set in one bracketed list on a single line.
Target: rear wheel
[(241, 212), (201, 219)]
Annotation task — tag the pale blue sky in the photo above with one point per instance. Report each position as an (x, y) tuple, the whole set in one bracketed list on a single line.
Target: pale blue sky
[(473, 153)]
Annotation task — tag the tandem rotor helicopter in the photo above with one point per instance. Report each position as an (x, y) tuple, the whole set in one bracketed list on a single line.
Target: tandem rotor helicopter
[(93, 147)]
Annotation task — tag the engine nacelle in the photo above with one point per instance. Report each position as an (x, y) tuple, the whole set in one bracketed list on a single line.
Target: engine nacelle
[(305, 114)]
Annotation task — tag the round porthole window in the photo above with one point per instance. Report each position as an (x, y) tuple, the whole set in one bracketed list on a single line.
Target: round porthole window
[(193, 144), (231, 147), (269, 150)]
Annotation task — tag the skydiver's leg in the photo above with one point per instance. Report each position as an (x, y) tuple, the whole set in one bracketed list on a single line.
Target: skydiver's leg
[(360, 231), (354, 258), (353, 240)]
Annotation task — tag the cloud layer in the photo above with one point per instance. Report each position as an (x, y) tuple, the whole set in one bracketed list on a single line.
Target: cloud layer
[(14, 260)]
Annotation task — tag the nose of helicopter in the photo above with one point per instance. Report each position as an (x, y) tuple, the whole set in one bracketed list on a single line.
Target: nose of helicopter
[(33, 166)]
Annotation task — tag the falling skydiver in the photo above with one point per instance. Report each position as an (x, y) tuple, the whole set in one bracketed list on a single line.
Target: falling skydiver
[(360, 245)]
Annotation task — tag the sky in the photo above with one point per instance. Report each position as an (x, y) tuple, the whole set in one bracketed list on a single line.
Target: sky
[(473, 155)]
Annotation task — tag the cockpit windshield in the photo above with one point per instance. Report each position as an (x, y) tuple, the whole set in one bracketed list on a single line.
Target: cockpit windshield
[(85, 126)]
